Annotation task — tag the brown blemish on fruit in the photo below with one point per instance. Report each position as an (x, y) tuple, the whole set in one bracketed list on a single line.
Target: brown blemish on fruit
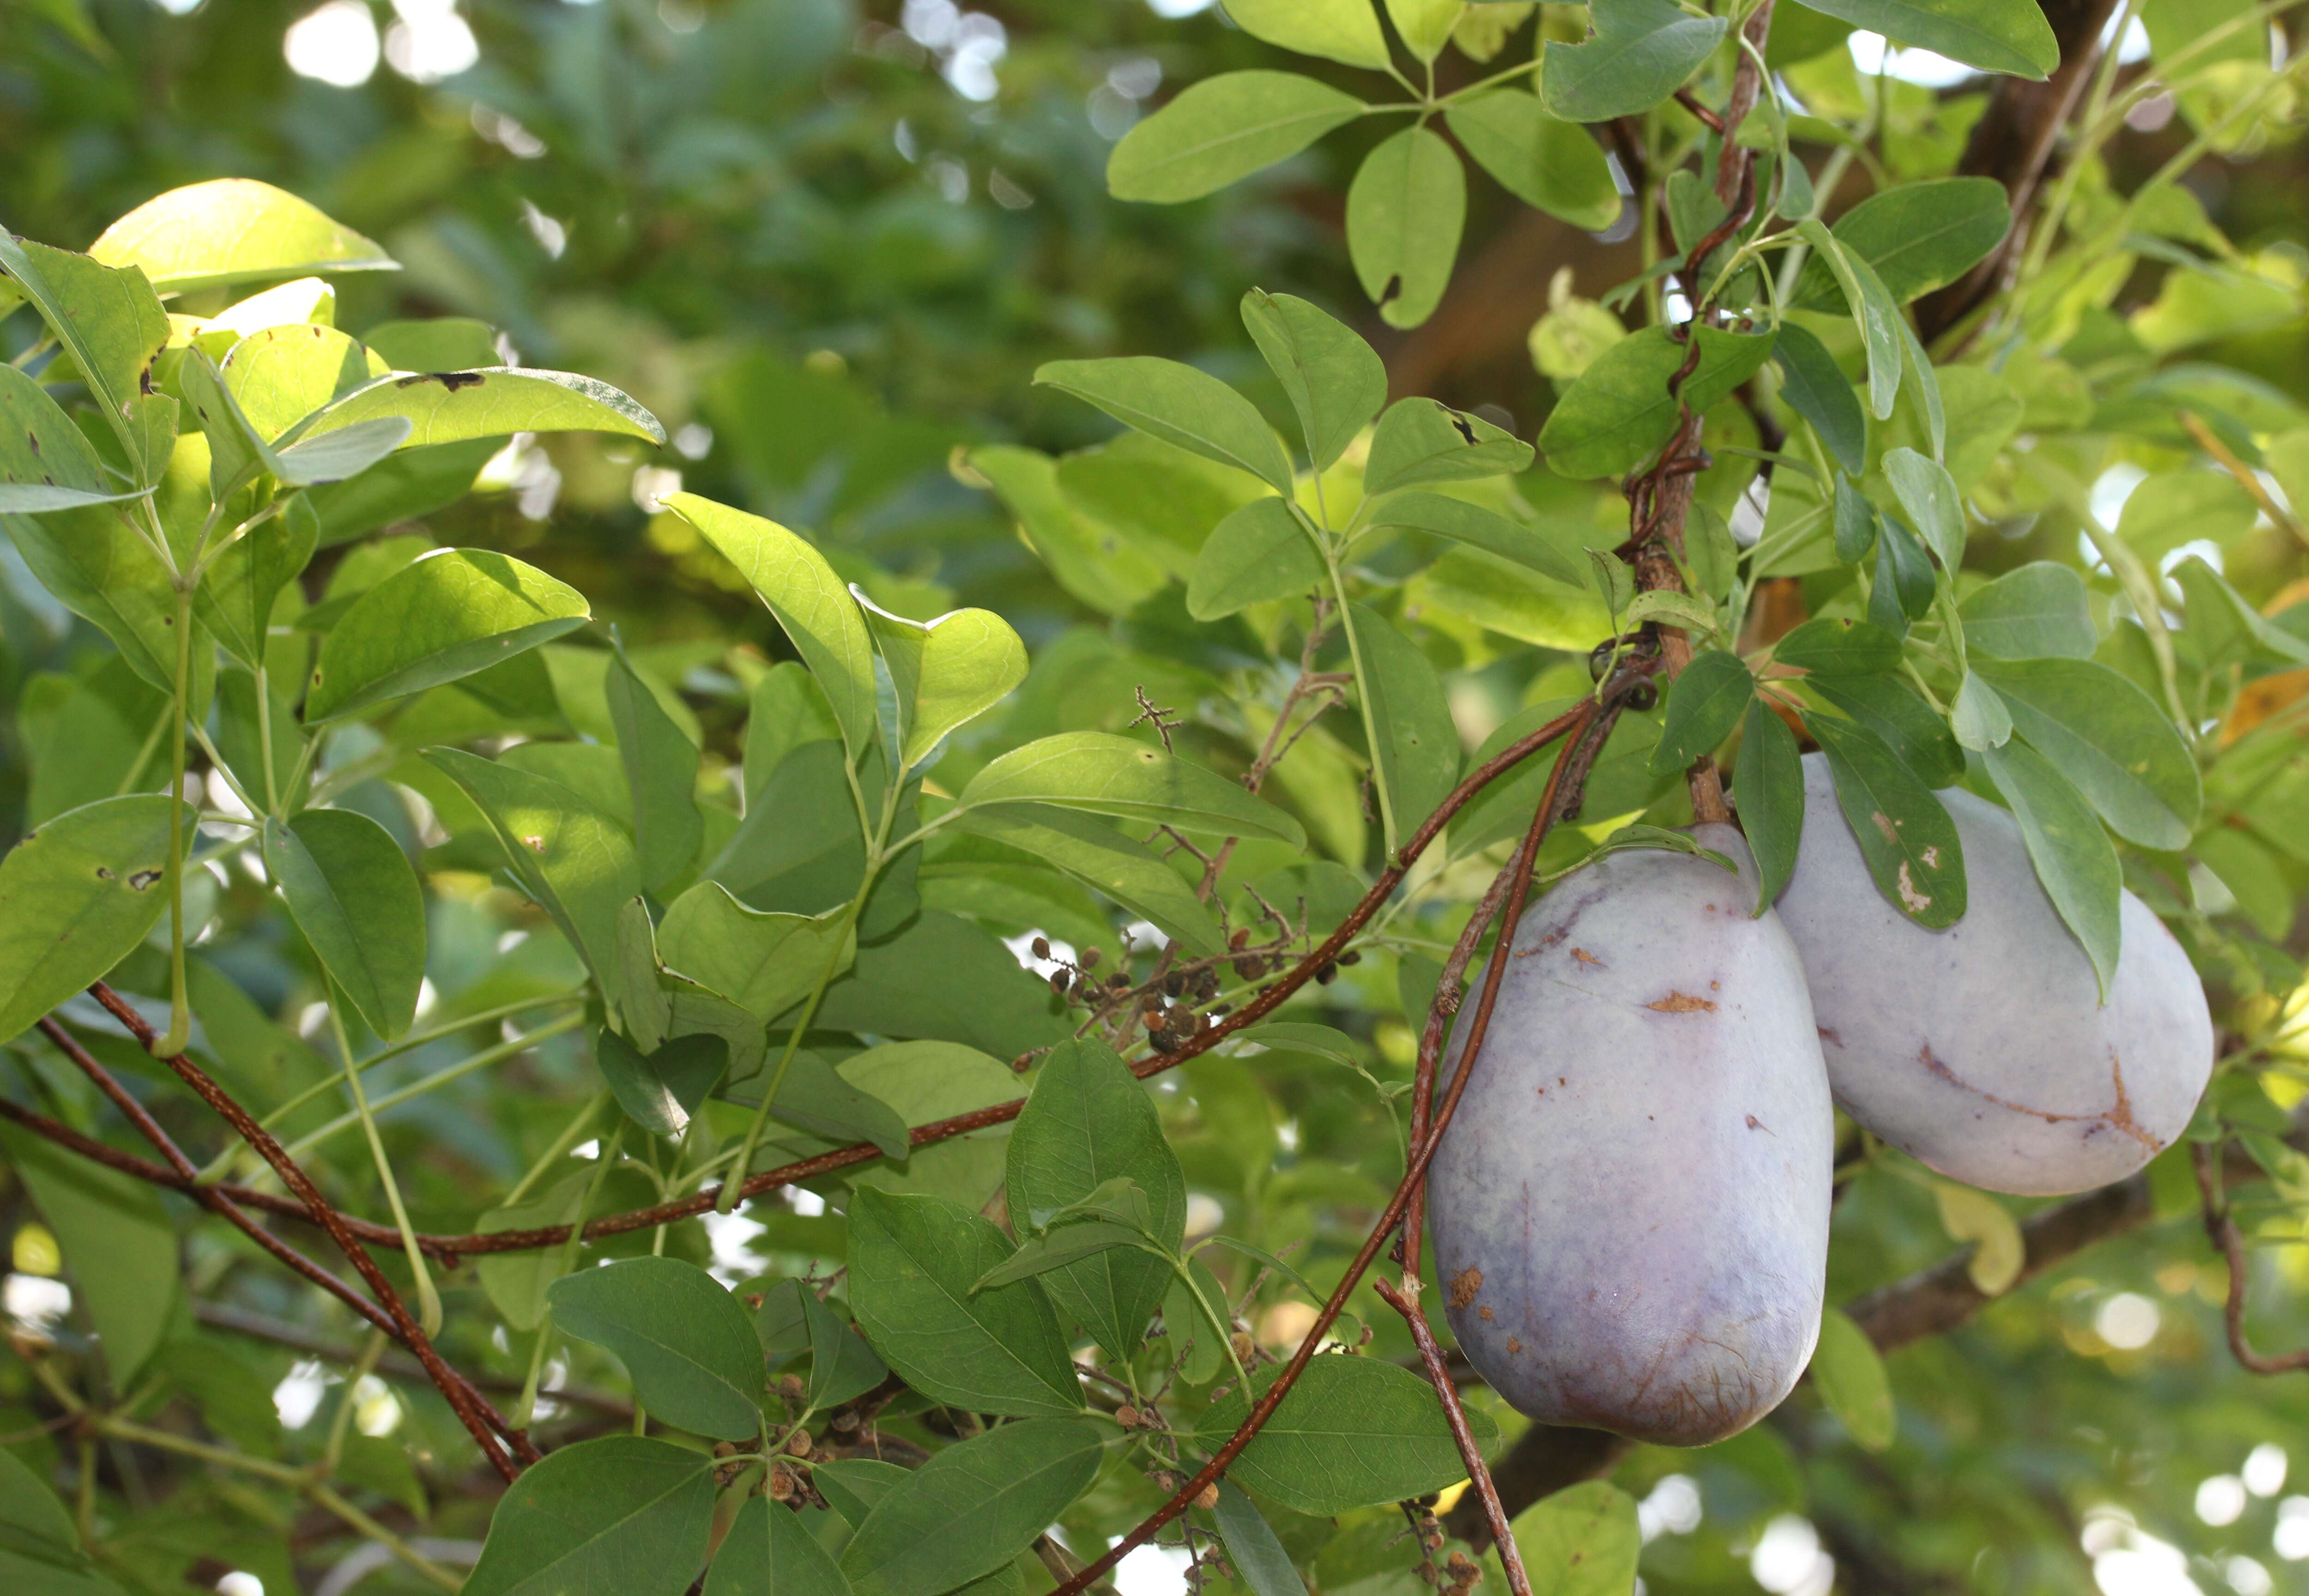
[(1484, 1313), (1755, 1124), (2117, 1117), (1585, 957), (1514, 1345), (1680, 1003), (1464, 1285), (1829, 1035)]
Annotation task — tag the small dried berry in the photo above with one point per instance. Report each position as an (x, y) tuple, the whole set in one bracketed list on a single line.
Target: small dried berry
[(1126, 1415), (1041, 946), (1351, 957), (1090, 958), (1237, 941), (1327, 975), (782, 1484), (1210, 1496)]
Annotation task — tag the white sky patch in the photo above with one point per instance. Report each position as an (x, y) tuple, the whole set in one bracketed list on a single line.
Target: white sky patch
[(1179, 8), (1672, 1508), (298, 1397), (430, 41), (335, 45), (2291, 1541), (1788, 1561), (35, 1301), (2127, 1321), (2220, 1500), (1154, 1571), (2264, 1470), (731, 1237)]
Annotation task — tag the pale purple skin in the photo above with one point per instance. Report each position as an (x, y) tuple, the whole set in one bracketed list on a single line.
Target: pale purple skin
[(1983, 1049), (1631, 1207)]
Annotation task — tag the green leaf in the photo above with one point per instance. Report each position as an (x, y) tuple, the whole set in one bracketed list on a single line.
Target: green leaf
[(811, 602), (351, 891), (1619, 411), (1768, 788), (944, 978), (2006, 36), (1341, 31), (515, 1282), (1405, 212), (448, 407), (768, 1552), (1354, 1432), (2074, 859), (1929, 495), (764, 962), (449, 615), (1850, 1377), (1179, 405), (1417, 750), (2110, 738), (1421, 440), (118, 1248), (687, 1343), (1874, 312), (1222, 129), (1108, 774), (1905, 578), (1259, 1558), (1831, 646), (1889, 707), (1670, 608), (1425, 26), (1582, 1540), (1089, 1121), (912, 1262), (660, 765), (1259, 553), (574, 860), (235, 597), (621, 1514), (946, 672), (1916, 236), (1474, 525), (1106, 861), (1703, 707), (1978, 718), (1335, 382), (972, 1507), (1198, 1339), (1060, 1248), (1906, 836), (640, 1090), (1641, 53), (2225, 631), (40, 1552), (1970, 1215), (1856, 523), (1815, 389), (819, 1099), (76, 897), (1544, 160), (109, 322), (280, 375), (233, 229)]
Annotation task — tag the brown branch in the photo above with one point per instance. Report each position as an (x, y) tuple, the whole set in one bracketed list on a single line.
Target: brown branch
[(479, 1418), (209, 1196), (1600, 710), (2221, 1225), (1455, 1413)]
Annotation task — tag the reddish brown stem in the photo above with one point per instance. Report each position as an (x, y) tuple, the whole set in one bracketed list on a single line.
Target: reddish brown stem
[(1455, 1413), (209, 1197), (2221, 1225), (1576, 758), (481, 1420)]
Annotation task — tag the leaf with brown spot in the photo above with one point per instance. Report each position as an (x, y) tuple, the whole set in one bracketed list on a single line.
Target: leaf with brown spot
[(1904, 833)]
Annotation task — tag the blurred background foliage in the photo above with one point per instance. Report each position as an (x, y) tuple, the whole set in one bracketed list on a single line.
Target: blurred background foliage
[(828, 242)]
